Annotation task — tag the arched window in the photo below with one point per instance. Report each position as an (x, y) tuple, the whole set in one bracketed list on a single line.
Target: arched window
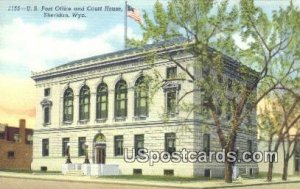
[(141, 97), (68, 105), (121, 99), (84, 103), (102, 101)]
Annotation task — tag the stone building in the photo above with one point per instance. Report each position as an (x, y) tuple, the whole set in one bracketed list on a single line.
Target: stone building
[(94, 105), (15, 147)]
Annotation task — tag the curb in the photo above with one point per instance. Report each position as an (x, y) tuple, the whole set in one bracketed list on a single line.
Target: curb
[(145, 184)]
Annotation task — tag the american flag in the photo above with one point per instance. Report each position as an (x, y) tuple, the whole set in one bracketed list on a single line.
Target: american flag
[(133, 13)]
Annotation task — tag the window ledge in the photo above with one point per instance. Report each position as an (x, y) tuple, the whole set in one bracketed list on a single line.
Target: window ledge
[(140, 117), (119, 156), (46, 124), (101, 120), (117, 119), (84, 121), (67, 122)]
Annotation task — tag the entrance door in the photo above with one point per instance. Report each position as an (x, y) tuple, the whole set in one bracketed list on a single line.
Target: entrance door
[(100, 157)]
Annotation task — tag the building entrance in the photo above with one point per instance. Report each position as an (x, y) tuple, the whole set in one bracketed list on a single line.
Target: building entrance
[(100, 149)]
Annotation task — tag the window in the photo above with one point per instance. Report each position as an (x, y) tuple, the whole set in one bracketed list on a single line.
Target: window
[(10, 154), (46, 107), (169, 172), (171, 72), (65, 142), (68, 105), (118, 145), (170, 142), (81, 146), (229, 84), (46, 115), (102, 101), (16, 137), (141, 98), (297, 165), (84, 103), (207, 173), (2, 135), (249, 146), (138, 143), (137, 171), (171, 102), (206, 143), (46, 92), (228, 111), (29, 139), (45, 147), (121, 99)]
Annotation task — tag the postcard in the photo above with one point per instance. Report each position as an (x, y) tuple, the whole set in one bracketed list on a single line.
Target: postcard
[(149, 93)]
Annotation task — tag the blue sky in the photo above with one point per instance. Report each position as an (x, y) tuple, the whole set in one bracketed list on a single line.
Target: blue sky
[(39, 40), (30, 42), (43, 43)]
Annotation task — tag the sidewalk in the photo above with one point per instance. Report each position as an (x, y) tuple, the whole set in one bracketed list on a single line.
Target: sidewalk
[(193, 184)]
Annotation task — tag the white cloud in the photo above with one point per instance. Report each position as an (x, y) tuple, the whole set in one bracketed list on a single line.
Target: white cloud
[(40, 47)]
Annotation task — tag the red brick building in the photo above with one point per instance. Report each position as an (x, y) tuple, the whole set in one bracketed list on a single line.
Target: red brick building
[(15, 146)]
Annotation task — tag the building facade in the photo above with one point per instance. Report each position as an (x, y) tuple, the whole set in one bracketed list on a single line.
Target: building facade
[(101, 105), (15, 147)]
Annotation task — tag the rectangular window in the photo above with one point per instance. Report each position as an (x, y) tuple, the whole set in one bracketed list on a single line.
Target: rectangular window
[(47, 92), (137, 171), (171, 72), (249, 146), (228, 111), (45, 147), (138, 143), (2, 135), (297, 165), (206, 143), (171, 102), (207, 173), (169, 172), (29, 139), (46, 115), (102, 105), (118, 145), (81, 146), (16, 137), (229, 84), (10, 154), (170, 142), (65, 142), (84, 110)]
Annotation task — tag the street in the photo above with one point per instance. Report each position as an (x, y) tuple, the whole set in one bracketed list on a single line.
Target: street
[(17, 183)]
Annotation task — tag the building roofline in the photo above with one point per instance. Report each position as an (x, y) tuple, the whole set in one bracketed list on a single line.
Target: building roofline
[(94, 62)]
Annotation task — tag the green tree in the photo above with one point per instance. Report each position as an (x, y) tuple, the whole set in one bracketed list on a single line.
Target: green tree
[(279, 124), (274, 50), (208, 27)]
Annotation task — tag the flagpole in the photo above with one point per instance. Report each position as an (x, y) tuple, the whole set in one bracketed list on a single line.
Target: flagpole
[(125, 26)]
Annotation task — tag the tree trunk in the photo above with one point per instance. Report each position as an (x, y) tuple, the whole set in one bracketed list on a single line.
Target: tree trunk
[(270, 172), (285, 169), (228, 172)]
